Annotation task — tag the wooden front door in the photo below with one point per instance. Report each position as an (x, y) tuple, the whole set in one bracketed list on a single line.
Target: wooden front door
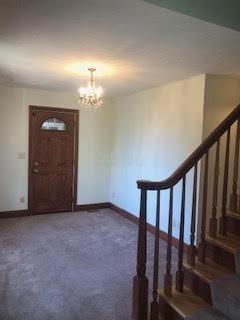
[(52, 159)]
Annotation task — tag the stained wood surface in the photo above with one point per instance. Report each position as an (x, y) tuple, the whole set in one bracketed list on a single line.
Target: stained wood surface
[(52, 162), (228, 243), (208, 271), (183, 303), (235, 215)]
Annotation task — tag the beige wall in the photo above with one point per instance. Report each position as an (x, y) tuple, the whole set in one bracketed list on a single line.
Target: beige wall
[(154, 131), (146, 135), (94, 146), (222, 95)]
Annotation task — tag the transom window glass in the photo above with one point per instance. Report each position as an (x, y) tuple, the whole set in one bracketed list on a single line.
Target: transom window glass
[(54, 124)]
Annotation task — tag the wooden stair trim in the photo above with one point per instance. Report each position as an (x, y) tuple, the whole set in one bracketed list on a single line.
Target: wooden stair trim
[(216, 271), (200, 287), (228, 243), (184, 303), (221, 256), (232, 214), (233, 223)]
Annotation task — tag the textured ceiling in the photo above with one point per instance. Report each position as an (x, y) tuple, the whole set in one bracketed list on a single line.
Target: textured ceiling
[(134, 45), (225, 13)]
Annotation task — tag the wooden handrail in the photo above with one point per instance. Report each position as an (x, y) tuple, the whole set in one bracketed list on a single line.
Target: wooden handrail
[(189, 163), (217, 221)]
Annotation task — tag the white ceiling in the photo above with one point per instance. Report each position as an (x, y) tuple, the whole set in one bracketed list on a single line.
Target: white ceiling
[(134, 45)]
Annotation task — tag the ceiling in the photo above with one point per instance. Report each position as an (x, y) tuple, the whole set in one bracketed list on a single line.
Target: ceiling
[(134, 45), (225, 13)]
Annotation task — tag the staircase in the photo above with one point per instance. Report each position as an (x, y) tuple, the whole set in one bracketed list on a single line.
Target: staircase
[(207, 283)]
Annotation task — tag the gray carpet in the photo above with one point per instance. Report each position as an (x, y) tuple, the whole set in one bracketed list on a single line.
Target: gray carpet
[(226, 296), (237, 260), (70, 266)]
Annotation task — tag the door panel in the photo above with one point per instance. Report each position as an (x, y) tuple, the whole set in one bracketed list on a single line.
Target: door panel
[(52, 158), (42, 151)]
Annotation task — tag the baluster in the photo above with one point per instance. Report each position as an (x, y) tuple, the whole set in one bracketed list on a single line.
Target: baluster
[(225, 187), (168, 275), (234, 195), (213, 221), (202, 245), (154, 304), (180, 274), (140, 281), (192, 247)]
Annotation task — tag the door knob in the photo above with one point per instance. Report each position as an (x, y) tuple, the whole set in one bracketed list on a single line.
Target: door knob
[(36, 171), (36, 163)]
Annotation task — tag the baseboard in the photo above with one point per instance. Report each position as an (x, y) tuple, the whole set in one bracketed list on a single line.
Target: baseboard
[(124, 213), (150, 228), (25, 213), (13, 214), (92, 206)]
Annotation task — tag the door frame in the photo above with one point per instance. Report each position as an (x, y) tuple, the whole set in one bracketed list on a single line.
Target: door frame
[(75, 112)]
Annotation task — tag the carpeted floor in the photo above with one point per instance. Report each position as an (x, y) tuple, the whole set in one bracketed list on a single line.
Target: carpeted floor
[(70, 266)]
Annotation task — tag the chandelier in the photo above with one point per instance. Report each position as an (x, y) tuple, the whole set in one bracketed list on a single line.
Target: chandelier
[(90, 96)]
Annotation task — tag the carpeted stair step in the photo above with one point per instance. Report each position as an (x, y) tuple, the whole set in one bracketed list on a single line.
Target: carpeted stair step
[(207, 314), (200, 277), (180, 305), (226, 296), (224, 250)]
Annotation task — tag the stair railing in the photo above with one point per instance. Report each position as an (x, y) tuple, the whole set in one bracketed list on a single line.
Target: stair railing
[(199, 191)]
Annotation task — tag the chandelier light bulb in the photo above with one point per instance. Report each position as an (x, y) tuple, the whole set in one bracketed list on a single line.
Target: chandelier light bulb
[(90, 96)]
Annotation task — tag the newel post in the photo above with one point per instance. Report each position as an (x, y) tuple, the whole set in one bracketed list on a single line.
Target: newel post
[(140, 281)]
